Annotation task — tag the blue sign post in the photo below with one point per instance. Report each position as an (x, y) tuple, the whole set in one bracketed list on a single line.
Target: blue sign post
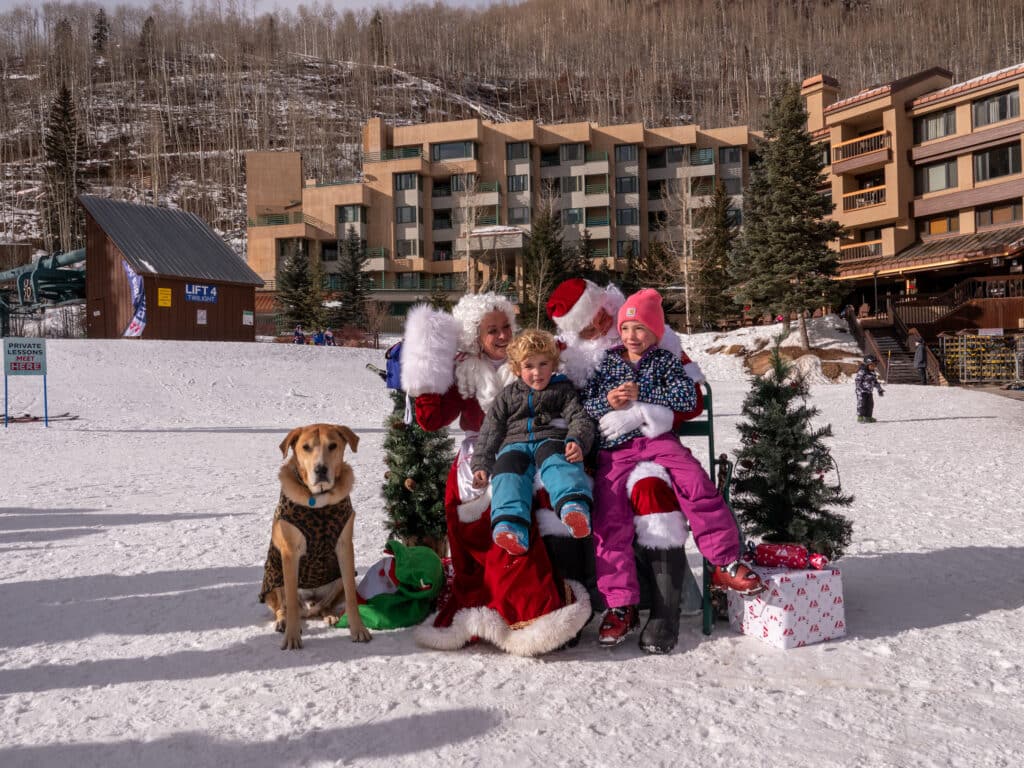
[(25, 357)]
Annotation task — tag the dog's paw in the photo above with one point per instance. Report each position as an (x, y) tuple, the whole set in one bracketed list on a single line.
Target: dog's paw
[(360, 635), (330, 619), (292, 641), (279, 625)]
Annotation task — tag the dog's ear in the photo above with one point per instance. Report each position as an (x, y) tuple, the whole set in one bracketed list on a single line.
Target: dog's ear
[(290, 440), (349, 437)]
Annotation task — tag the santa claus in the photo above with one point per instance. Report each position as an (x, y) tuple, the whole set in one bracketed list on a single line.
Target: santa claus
[(585, 316)]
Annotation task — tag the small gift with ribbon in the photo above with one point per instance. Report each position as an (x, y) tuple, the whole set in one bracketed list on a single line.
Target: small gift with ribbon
[(788, 556)]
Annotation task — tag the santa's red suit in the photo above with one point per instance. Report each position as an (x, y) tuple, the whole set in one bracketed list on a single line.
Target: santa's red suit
[(517, 603), (574, 307)]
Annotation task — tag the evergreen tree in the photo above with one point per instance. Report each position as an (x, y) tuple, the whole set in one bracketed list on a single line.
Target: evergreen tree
[(711, 256), (544, 267), (100, 32), (353, 281), (299, 295), (414, 486), (439, 298), (65, 149), (782, 262), (779, 490)]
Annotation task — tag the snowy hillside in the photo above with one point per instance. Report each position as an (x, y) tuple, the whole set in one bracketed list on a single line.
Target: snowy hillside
[(133, 541)]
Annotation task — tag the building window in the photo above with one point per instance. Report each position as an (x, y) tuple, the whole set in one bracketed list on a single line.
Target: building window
[(935, 125), (572, 217), (350, 214), (937, 225), (625, 217), (518, 150), (675, 155), (932, 178), (626, 248), (825, 154), (870, 234), (625, 185), (625, 153), (570, 153), (405, 214), (992, 109), (329, 251), (406, 181), (442, 219), (452, 150), (996, 162), (656, 190), (518, 215), (333, 281), (443, 251), (734, 216), (571, 184), (656, 160), (657, 220), (730, 155), (1002, 213), (407, 280), (519, 183), (733, 186), (406, 247), (548, 157), (463, 182)]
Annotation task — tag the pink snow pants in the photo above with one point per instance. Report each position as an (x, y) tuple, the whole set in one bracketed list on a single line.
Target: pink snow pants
[(711, 521)]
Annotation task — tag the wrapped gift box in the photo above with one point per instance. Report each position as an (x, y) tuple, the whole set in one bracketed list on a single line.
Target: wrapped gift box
[(798, 607)]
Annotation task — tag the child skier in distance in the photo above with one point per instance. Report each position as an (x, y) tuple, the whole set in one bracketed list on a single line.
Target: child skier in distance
[(638, 370), (864, 383), (536, 421)]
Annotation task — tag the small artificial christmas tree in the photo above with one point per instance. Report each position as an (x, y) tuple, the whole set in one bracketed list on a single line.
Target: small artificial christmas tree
[(418, 464), (779, 489)]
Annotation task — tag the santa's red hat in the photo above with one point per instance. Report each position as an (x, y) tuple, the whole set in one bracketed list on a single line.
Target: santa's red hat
[(574, 303)]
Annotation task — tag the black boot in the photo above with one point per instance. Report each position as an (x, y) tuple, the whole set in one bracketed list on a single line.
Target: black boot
[(662, 630), (574, 559)]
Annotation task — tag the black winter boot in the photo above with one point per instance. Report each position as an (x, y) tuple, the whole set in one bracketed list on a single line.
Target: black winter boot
[(574, 559), (662, 630)]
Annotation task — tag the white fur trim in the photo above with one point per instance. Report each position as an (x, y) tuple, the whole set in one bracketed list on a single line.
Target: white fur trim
[(471, 309), (646, 469), (694, 372), (613, 300), (583, 311), (543, 634), (551, 525), (477, 378), (657, 419), (538, 484), (671, 342), (428, 349), (471, 511), (662, 530)]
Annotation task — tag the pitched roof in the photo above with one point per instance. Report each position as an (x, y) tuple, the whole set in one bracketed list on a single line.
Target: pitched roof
[(167, 242), (941, 251)]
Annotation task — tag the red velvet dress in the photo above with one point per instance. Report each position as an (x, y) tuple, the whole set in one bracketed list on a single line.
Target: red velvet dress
[(517, 603)]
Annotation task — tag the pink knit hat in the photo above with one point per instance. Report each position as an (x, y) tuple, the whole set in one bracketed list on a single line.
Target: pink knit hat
[(644, 307)]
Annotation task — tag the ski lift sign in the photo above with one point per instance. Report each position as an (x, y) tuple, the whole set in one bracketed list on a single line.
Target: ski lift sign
[(25, 357)]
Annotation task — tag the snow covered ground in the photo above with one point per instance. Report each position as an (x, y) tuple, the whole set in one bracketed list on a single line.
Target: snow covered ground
[(133, 541)]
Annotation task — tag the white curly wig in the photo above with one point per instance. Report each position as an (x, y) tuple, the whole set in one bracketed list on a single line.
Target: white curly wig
[(471, 310)]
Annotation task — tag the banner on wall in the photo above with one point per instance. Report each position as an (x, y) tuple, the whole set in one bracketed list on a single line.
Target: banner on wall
[(138, 323)]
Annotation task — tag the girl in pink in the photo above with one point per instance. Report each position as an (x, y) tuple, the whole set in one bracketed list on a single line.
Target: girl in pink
[(639, 371)]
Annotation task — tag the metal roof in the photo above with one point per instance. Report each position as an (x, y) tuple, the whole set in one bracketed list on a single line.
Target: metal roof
[(166, 242), (945, 251)]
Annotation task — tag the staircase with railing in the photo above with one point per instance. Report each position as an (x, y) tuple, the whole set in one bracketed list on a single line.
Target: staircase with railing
[(977, 302)]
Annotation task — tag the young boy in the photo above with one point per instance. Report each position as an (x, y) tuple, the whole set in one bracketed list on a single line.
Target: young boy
[(536, 421), (639, 370), (864, 383)]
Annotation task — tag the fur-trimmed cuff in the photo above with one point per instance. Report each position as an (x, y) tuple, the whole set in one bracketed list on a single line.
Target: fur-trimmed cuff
[(551, 524), (694, 372), (662, 530), (658, 419), (646, 469), (671, 342), (543, 634), (428, 351), (470, 511)]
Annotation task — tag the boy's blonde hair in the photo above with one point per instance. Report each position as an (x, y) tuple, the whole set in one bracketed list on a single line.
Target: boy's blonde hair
[(532, 342)]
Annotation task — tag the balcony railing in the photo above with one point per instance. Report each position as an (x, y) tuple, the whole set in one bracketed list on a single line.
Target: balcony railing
[(595, 189), (862, 145), (597, 221), (488, 186), (860, 250), (283, 219), (864, 198), (399, 153), (377, 253), (599, 251), (342, 182), (487, 220), (594, 157), (703, 156)]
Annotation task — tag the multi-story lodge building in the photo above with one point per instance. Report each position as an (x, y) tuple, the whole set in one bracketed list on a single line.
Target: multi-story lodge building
[(926, 179), (450, 205)]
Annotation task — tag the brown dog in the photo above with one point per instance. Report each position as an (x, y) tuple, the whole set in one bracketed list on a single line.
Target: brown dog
[(311, 538)]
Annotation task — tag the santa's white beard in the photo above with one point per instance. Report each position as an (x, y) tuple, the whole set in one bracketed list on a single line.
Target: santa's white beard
[(580, 358)]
